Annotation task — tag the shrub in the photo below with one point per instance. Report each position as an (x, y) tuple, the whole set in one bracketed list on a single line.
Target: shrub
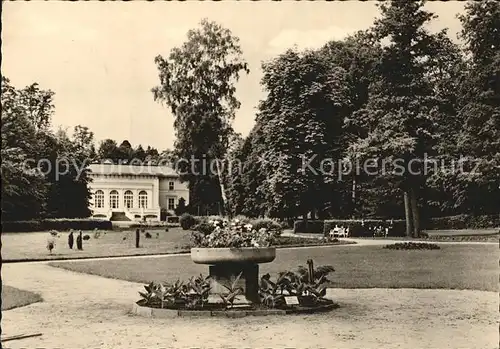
[(173, 219), (86, 237), (204, 228), (266, 223), (366, 227), (56, 224), (464, 221), (187, 221), (312, 227), (412, 246)]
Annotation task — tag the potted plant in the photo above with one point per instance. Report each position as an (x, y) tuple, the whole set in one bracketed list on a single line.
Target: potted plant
[(232, 248)]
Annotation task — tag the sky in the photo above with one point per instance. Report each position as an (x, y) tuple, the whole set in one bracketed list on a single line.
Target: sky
[(98, 57)]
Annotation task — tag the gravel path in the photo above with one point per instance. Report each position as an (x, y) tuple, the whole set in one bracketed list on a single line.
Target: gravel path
[(86, 311)]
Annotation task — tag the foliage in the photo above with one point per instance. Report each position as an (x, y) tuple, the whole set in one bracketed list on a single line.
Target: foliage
[(187, 221), (54, 187), (190, 295), (308, 227), (266, 223), (205, 228), (181, 207), (233, 291), (308, 284), (235, 234), (464, 221), (412, 246), (125, 153), (197, 83), (302, 241)]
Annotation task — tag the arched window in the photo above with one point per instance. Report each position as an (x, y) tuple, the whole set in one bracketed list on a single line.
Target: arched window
[(99, 199), (143, 199), (113, 199), (128, 199)]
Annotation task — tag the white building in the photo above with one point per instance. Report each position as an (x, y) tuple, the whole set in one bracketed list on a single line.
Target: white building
[(134, 192)]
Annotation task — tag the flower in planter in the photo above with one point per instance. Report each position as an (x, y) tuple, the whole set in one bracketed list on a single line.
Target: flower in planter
[(237, 234)]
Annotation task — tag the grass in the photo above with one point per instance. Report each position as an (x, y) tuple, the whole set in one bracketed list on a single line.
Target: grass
[(14, 298), (26, 246), (32, 246), (452, 267)]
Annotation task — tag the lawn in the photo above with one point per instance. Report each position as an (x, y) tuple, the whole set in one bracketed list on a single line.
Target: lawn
[(32, 246), (24, 246), (457, 266), (15, 298)]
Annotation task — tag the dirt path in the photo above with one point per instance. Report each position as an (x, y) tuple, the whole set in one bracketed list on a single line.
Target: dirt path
[(82, 311)]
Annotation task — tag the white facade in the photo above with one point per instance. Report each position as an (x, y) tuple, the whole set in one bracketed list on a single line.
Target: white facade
[(134, 191)]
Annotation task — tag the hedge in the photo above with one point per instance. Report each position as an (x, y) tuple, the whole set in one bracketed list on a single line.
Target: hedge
[(173, 219), (312, 227), (464, 221), (55, 224), (365, 228)]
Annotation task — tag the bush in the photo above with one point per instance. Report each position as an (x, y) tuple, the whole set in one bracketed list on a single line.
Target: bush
[(204, 228), (187, 221), (56, 224), (366, 228), (312, 227), (412, 246), (464, 221), (267, 223), (173, 219)]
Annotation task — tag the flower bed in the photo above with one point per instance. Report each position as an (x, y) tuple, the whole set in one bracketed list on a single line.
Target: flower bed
[(412, 246), (303, 289)]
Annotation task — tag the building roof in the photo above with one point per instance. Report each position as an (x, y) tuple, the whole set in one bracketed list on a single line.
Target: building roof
[(137, 170)]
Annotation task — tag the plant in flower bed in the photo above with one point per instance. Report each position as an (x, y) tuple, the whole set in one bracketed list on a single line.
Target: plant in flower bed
[(412, 246), (190, 295), (307, 284), (235, 234)]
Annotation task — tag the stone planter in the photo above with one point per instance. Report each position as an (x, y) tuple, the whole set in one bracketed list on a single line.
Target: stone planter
[(225, 264)]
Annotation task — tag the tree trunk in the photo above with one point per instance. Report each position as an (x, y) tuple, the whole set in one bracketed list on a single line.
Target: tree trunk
[(353, 202), (415, 213), (408, 214)]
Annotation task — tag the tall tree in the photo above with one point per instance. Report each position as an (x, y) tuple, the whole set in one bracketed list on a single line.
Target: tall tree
[(139, 153), (307, 100), (401, 108), (23, 186), (479, 136), (83, 139), (197, 83), (38, 105), (108, 150)]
